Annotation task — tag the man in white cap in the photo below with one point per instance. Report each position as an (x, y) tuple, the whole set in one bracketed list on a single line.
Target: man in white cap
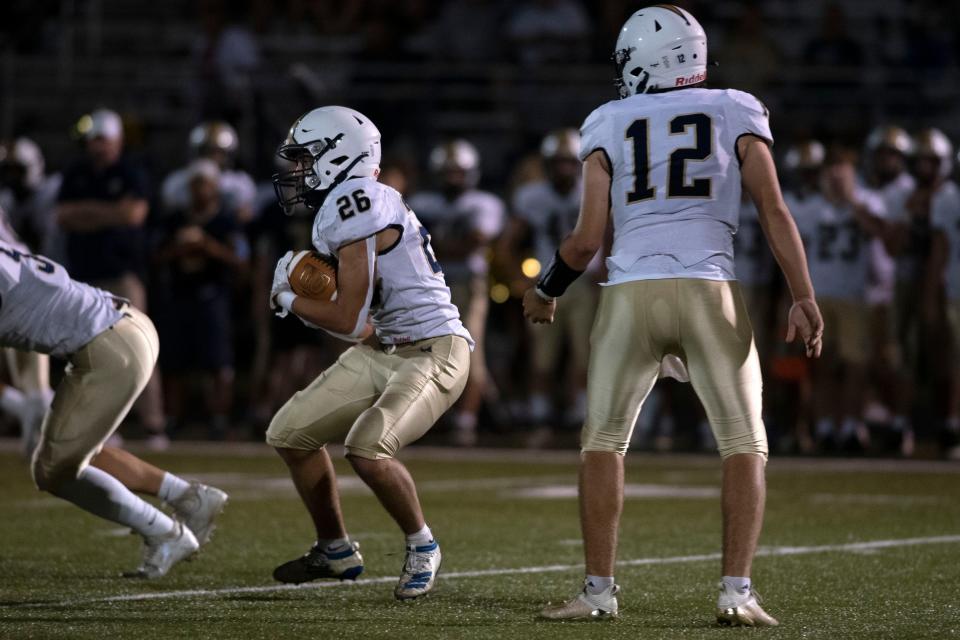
[(102, 208)]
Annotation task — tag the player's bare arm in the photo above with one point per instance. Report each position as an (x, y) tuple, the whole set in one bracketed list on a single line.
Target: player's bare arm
[(353, 283), (91, 215), (577, 249), (845, 176), (760, 180)]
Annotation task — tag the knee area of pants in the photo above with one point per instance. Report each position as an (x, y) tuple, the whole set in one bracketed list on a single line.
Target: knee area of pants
[(596, 442), (50, 478), (758, 447)]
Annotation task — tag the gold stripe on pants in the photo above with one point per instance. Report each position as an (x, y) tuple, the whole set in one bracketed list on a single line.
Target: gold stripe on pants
[(99, 386), (706, 324), (376, 401)]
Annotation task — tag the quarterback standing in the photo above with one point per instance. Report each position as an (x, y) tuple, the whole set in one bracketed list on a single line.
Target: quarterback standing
[(665, 168), (387, 391)]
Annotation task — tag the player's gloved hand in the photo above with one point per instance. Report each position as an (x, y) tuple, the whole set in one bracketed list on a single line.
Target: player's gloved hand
[(538, 309), (281, 283), (804, 320)]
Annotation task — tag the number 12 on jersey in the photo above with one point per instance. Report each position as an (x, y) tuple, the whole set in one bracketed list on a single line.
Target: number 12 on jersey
[(677, 184)]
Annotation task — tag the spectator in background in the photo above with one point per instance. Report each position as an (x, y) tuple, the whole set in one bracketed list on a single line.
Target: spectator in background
[(836, 225), (885, 174), (464, 31), (545, 212), (834, 47), (202, 253), (225, 55), (29, 196), (216, 141), (750, 41), (101, 210), (545, 31), (908, 239), (463, 222), (945, 269)]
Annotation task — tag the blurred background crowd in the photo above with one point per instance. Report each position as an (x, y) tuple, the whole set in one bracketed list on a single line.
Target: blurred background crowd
[(137, 141)]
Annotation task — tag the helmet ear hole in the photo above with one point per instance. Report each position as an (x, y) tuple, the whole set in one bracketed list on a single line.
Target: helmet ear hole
[(338, 161), (636, 71)]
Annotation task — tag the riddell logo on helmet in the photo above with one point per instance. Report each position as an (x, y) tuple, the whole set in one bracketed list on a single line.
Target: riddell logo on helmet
[(694, 79)]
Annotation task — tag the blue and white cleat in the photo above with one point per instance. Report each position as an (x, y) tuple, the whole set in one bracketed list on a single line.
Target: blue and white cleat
[(419, 571), (345, 564)]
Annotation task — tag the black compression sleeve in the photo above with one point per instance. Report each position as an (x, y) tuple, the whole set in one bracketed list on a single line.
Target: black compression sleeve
[(557, 277)]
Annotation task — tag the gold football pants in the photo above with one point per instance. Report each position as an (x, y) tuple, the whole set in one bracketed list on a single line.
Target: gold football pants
[(100, 384), (706, 324), (375, 400)]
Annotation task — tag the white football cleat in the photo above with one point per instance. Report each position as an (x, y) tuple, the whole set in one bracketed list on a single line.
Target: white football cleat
[(738, 609), (198, 507), (586, 606), (160, 553), (419, 571)]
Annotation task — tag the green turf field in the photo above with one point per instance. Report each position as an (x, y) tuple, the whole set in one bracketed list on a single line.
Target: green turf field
[(852, 549)]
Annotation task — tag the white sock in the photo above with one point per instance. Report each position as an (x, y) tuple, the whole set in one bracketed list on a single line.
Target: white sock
[(420, 538), (900, 423), (465, 421), (539, 407), (172, 487), (736, 584), (334, 544), (824, 428), (597, 584), (99, 493)]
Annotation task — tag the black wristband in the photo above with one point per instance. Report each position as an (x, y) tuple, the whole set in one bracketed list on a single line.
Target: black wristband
[(557, 277)]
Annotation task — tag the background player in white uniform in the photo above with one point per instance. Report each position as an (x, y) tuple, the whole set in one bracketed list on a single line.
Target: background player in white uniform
[(111, 348), (885, 174), (463, 221), (908, 238), (545, 212), (665, 167), (217, 141), (837, 223), (388, 391), (945, 270)]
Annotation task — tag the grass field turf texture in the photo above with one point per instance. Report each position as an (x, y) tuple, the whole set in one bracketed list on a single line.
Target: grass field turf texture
[(852, 549)]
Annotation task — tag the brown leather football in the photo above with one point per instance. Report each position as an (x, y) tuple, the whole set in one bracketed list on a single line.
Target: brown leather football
[(313, 275)]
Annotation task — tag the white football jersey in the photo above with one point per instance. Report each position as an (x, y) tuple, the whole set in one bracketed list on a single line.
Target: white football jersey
[(449, 221), (551, 217), (752, 256), (945, 217), (883, 267), (237, 188), (42, 309), (411, 300), (675, 196), (838, 250)]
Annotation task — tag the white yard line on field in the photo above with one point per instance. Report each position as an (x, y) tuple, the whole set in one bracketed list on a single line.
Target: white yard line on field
[(852, 547)]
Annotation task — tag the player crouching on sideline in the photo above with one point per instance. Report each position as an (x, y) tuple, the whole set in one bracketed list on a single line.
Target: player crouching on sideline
[(671, 189), (387, 391), (111, 348)]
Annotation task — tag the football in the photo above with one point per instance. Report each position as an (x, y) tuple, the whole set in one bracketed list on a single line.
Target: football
[(313, 275)]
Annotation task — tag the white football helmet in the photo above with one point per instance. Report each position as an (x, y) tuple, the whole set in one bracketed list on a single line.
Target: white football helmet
[(214, 135), (327, 146), (562, 143), (933, 142), (660, 47), (808, 155), (889, 137), (25, 155), (457, 154)]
